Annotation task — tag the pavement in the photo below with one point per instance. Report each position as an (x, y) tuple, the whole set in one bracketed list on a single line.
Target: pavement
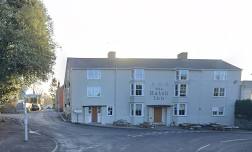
[(82, 138), (12, 138)]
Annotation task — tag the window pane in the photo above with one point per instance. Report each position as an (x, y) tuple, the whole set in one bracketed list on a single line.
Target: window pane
[(183, 74), (132, 109), (175, 109), (177, 75), (221, 111), (93, 74), (183, 90), (110, 110), (181, 109), (222, 91), (176, 90), (139, 74), (138, 109), (220, 75), (138, 92), (216, 91), (93, 91)]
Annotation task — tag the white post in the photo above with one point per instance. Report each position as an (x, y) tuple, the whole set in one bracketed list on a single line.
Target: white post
[(25, 122)]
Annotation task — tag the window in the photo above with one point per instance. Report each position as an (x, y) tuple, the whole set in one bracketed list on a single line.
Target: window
[(180, 90), (138, 74), (109, 110), (93, 74), (220, 75), (93, 91), (181, 74), (137, 89), (179, 109), (219, 92), (218, 111), (136, 109), (132, 109)]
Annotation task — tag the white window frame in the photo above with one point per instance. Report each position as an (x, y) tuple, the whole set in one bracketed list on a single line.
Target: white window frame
[(178, 75), (93, 89), (93, 74), (220, 75), (176, 107), (108, 111), (179, 89), (138, 74), (134, 89), (217, 110), (219, 92), (133, 105)]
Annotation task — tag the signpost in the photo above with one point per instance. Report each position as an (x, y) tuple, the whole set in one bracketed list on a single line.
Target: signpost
[(25, 122)]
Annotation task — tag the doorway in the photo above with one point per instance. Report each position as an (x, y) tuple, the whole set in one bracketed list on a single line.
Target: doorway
[(157, 114), (94, 114)]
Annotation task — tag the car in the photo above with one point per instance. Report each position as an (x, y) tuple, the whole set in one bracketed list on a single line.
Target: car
[(35, 107)]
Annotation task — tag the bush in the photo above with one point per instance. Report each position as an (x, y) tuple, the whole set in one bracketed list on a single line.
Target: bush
[(243, 109)]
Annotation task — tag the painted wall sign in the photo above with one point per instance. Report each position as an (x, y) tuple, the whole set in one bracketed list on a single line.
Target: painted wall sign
[(159, 92)]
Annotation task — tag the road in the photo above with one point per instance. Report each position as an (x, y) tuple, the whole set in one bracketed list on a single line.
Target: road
[(81, 138)]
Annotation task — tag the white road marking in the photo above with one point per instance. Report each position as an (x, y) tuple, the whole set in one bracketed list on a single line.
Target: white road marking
[(233, 140), (34, 132), (56, 146), (202, 147)]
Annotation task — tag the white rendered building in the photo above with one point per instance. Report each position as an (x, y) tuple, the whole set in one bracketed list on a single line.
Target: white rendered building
[(160, 91)]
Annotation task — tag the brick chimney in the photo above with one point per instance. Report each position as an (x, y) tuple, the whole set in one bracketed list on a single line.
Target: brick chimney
[(182, 55), (111, 55)]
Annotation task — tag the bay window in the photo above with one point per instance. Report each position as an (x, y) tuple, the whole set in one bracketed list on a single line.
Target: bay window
[(179, 109), (136, 109), (180, 90), (137, 89)]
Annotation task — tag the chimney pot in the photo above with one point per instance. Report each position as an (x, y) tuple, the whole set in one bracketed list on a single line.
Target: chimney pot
[(182, 55), (111, 55)]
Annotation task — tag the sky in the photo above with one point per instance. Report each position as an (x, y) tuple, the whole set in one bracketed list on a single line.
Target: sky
[(206, 29)]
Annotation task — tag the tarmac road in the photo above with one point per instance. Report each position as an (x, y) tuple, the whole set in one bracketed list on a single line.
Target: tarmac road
[(82, 138)]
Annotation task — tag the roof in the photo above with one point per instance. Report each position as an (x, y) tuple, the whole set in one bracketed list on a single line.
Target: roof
[(148, 63), (247, 83)]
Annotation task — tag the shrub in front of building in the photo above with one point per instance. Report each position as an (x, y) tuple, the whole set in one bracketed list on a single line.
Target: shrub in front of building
[(243, 109)]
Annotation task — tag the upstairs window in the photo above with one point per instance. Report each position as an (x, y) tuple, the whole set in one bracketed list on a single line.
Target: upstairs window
[(182, 75), (93, 91), (138, 74), (220, 75), (219, 92), (137, 89), (93, 74), (218, 111), (180, 90)]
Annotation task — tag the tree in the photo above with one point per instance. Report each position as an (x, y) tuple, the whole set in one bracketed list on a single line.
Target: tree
[(26, 45), (53, 89)]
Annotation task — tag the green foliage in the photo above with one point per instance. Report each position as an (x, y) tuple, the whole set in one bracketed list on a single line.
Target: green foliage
[(243, 109), (26, 45), (53, 88)]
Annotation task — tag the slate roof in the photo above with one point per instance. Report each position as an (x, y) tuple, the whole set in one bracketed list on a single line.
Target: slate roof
[(149, 63)]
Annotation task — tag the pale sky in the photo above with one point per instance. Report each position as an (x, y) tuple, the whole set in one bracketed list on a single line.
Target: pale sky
[(206, 29)]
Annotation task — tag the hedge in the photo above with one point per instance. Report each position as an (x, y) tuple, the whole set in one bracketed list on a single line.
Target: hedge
[(243, 109)]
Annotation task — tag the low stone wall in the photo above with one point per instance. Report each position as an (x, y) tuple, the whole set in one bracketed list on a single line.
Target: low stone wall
[(244, 124)]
